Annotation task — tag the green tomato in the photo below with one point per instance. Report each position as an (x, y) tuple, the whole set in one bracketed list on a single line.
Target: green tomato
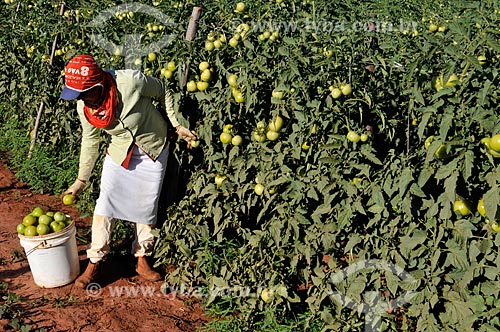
[(259, 189), (204, 65), (428, 142), (191, 86), (433, 27), (277, 94), (30, 231), (201, 86), (480, 208), (336, 93), (240, 7), (482, 60), (461, 208), (441, 152), (226, 138), (209, 46), (276, 125), (151, 57), (495, 142), (206, 75), (42, 229), (239, 98), (346, 89), (353, 136), (228, 128), (237, 140), (272, 135), (20, 229), (232, 80), (171, 66), (259, 137), (219, 179)]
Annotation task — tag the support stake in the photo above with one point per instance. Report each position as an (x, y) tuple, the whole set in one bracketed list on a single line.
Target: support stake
[(42, 105)]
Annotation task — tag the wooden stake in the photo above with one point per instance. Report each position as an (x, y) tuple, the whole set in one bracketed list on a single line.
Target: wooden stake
[(42, 105), (190, 35)]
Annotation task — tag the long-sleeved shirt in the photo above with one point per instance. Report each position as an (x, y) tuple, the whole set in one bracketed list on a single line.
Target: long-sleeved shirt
[(137, 121)]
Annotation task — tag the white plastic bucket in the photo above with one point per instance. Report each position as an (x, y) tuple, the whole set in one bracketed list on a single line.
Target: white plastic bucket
[(53, 258)]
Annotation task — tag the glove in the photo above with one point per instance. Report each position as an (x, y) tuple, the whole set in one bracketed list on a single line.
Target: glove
[(76, 188), (185, 133)]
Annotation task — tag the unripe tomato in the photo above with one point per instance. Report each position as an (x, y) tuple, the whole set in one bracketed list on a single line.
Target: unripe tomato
[(67, 199), (363, 137), (428, 142), (495, 143), (240, 7), (481, 59), (233, 42), (203, 65), (171, 66), (201, 86), (228, 128), (486, 142), (259, 137), (239, 98), (209, 46), (217, 44), (206, 75), (226, 138), (272, 135), (353, 136), (441, 152), (20, 229), (461, 208), (452, 81), (259, 189), (267, 295), (480, 208), (336, 93), (346, 89), (151, 57), (195, 143), (191, 86), (232, 80), (276, 125), (433, 27), (211, 36), (277, 94), (219, 179), (237, 140)]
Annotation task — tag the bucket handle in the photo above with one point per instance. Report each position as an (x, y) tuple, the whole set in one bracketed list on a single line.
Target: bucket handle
[(35, 248)]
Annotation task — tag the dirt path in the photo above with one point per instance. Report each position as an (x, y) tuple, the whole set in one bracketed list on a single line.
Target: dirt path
[(67, 308)]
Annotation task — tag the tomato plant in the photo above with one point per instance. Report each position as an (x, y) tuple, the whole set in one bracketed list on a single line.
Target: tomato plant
[(376, 116)]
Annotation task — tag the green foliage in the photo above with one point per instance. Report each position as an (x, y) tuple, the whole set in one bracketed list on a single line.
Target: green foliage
[(323, 208)]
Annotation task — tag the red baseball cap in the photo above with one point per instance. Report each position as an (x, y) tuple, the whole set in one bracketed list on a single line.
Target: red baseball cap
[(82, 73)]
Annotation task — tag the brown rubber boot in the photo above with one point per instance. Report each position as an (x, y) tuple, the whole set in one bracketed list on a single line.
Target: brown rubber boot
[(91, 273), (145, 271)]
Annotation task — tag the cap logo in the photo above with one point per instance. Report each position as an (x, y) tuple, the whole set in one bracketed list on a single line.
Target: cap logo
[(83, 71)]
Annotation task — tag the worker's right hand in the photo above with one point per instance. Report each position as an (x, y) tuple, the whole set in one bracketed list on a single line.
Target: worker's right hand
[(76, 188)]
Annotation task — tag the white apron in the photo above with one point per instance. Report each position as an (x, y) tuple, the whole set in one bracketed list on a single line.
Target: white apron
[(132, 194)]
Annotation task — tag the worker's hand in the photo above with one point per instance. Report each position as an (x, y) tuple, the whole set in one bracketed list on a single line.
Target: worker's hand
[(76, 188), (185, 133)]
